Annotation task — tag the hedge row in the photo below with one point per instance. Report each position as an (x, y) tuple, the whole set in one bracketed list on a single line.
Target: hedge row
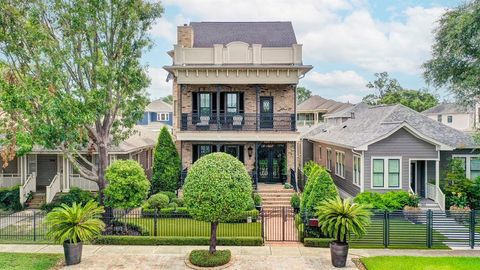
[(178, 241), (317, 242)]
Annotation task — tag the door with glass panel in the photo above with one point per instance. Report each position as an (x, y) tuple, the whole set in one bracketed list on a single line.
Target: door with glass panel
[(266, 112)]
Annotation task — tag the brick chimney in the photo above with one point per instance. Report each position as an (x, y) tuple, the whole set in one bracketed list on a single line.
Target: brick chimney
[(185, 36)]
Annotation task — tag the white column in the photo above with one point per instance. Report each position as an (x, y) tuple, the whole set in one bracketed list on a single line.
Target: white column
[(437, 178)]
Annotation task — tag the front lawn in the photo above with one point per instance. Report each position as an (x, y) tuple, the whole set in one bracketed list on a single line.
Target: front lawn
[(21, 261), (421, 263), (190, 227)]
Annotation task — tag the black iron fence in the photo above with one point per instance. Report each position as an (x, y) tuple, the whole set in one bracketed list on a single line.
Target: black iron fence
[(238, 121)]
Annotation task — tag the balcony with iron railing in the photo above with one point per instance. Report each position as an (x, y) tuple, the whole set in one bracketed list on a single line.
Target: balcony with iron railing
[(238, 122)]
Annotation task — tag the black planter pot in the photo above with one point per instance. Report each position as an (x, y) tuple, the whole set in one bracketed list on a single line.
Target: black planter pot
[(339, 253), (73, 252)]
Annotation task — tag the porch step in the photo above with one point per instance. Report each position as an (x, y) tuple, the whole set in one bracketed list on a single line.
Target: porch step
[(274, 195), (37, 200)]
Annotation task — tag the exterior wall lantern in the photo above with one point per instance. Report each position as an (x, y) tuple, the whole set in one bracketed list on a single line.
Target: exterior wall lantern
[(250, 152)]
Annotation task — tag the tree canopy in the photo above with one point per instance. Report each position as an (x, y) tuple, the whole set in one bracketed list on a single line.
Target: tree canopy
[(168, 99), (72, 77), (388, 91), (455, 63), (303, 94)]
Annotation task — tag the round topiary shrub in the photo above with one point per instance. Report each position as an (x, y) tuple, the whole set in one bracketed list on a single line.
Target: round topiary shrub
[(217, 189), (203, 258), (157, 201)]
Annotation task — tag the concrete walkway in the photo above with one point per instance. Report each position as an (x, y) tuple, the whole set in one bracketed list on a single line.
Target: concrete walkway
[(288, 257)]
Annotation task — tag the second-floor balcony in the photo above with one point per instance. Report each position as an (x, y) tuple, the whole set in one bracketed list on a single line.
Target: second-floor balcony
[(238, 122)]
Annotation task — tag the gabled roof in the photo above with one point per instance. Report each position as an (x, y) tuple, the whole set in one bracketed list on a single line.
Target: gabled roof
[(447, 108), (159, 106), (318, 104), (269, 34), (371, 124)]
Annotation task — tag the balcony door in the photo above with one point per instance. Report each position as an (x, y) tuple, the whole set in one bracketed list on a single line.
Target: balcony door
[(266, 112)]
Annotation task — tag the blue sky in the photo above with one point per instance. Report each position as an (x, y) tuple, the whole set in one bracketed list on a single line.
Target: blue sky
[(346, 41)]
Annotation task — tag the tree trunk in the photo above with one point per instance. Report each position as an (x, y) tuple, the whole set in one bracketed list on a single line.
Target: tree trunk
[(102, 167), (213, 237)]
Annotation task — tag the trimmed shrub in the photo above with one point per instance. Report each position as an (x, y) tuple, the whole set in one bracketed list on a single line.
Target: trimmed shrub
[(167, 165), (203, 258), (295, 201), (127, 184), (390, 201), (242, 216), (75, 195), (10, 198), (177, 241), (317, 242), (157, 201), (169, 194), (172, 205), (178, 201), (257, 199), (322, 188)]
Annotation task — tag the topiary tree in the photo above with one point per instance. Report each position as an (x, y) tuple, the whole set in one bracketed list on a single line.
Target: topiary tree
[(167, 165), (217, 189), (127, 185)]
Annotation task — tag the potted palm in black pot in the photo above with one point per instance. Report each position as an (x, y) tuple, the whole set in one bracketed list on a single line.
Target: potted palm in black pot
[(74, 225), (338, 219)]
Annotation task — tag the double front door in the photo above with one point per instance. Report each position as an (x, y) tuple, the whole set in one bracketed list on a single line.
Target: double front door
[(271, 163)]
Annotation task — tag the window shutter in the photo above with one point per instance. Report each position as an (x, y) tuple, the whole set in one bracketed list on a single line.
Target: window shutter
[(214, 103), (241, 102), (222, 102), (194, 102), (194, 153), (241, 155)]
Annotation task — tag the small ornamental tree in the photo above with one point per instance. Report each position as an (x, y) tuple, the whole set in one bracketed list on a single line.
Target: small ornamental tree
[(127, 185), (166, 164), (217, 189)]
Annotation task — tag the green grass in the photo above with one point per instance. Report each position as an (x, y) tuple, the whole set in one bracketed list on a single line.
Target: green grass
[(191, 227), (203, 258), (403, 234), (30, 261), (421, 263)]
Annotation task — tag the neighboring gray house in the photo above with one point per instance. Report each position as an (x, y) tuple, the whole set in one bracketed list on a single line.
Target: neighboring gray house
[(158, 111), (384, 148), (312, 111)]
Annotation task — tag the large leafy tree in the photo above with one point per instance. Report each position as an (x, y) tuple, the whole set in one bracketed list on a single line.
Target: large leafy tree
[(168, 99), (388, 91), (166, 164), (455, 63), (73, 77), (303, 94)]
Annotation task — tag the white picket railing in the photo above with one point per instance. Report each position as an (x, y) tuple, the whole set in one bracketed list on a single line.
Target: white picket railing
[(30, 185), (53, 188), (76, 180), (440, 198), (10, 179), (431, 191)]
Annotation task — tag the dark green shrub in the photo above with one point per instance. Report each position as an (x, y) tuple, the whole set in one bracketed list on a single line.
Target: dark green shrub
[(178, 201), (74, 195), (203, 258), (320, 187), (390, 201), (257, 199), (176, 241), (295, 201), (317, 242), (10, 198), (167, 165)]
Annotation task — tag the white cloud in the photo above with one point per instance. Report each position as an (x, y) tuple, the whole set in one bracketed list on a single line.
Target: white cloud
[(158, 86), (351, 98), (337, 80)]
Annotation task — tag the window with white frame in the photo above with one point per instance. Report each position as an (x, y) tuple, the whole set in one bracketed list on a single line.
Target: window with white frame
[(340, 164), (356, 170), (471, 165), (163, 116), (329, 159), (386, 172), (449, 119)]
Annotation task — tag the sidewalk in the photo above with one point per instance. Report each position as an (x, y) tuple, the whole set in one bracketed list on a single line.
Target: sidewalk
[(286, 257)]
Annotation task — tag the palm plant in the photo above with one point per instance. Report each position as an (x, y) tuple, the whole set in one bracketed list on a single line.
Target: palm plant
[(76, 223), (338, 218)]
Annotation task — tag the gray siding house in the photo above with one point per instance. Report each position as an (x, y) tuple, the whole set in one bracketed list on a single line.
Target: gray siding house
[(385, 148)]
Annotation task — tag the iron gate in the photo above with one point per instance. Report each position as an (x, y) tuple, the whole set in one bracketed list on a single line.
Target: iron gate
[(278, 224)]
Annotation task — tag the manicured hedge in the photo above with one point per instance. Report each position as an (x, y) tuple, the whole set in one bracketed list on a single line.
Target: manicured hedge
[(180, 241), (317, 242)]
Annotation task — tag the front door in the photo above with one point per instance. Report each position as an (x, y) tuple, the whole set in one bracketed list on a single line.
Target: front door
[(266, 112), (46, 169), (271, 163)]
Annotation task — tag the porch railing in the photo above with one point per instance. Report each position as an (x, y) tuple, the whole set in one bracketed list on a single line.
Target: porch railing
[(76, 180), (440, 198), (53, 188), (431, 191), (30, 185), (238, 121), (10, 179)]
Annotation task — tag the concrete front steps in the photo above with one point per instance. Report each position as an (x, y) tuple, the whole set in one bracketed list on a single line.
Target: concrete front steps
[(274, 195), (38, 199)]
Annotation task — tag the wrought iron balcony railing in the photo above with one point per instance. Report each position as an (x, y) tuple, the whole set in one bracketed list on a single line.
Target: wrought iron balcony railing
[(238, 121)]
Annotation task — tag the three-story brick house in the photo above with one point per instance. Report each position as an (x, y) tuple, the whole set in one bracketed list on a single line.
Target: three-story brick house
[(234, 90)]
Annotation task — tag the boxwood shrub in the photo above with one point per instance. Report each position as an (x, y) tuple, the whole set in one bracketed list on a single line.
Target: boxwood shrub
[(174, 240), (204, 258), (317, 242)]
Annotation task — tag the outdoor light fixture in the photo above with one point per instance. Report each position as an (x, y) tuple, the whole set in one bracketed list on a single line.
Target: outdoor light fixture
[(250, 152)]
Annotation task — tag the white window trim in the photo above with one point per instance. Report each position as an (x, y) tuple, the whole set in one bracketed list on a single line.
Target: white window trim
[(329, 159), (338, 172), (159, 116), (385, 173), (359, 167), (467, 163)]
